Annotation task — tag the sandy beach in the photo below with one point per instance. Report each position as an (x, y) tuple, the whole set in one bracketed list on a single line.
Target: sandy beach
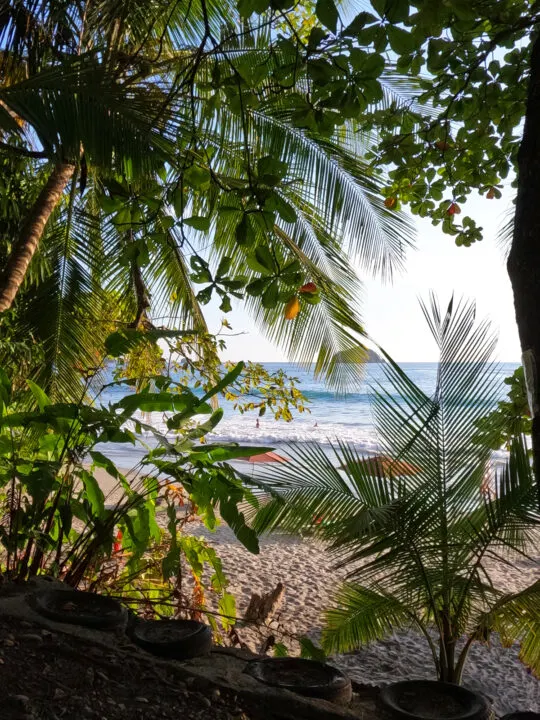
[(310, 581)]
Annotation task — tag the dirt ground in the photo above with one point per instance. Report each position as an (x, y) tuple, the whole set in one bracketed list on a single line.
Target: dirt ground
[(49, 676)]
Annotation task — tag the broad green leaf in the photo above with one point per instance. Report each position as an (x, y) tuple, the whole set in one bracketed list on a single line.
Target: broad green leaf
[(214, 452), (227, 607), (162, 402), (401, 41), (100, 460), (327, 13), (204, 428), (264, 257), (198, 177), (225, 305), (224, 266), (198, 223), (93, 492), (41, 396), (228, 379), (271, 170), (5, 390), (270, 296), (397, 10)]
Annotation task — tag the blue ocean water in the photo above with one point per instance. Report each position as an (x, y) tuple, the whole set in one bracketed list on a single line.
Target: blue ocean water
[(331, 416)]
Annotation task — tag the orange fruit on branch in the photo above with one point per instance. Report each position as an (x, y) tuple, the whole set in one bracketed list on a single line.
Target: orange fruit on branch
[(292, 308)]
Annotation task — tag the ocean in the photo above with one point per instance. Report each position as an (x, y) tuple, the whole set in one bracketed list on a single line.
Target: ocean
[(331, 416)]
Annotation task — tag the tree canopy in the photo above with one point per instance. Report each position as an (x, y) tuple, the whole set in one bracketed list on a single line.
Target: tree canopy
[(179, 153)]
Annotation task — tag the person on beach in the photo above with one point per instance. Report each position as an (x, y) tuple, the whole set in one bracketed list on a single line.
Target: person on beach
[(257, 424)]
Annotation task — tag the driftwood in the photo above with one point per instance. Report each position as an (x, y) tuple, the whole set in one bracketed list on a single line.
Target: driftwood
[(262, 608)]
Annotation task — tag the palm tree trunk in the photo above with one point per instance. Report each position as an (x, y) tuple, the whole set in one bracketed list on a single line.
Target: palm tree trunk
[(31, 233), (524, 258)]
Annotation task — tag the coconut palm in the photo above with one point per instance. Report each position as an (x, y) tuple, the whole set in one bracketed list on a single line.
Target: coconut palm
[(420, 548), (177, 134)]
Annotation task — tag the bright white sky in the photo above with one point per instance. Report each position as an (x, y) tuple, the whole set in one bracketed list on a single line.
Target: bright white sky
[(391, 313)]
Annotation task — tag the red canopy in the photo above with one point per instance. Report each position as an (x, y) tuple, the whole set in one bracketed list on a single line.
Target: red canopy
[(267, 457)]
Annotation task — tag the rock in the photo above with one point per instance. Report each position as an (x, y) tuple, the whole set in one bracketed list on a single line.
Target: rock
[(32, 637), (216, 695), (206, 702), (199, 684), (22, 699), (59, 693), (9, 643), (141, 699)]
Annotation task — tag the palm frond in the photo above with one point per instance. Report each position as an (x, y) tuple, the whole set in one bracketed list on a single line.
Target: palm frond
[(362, 616), (516, 618), (416, 541)]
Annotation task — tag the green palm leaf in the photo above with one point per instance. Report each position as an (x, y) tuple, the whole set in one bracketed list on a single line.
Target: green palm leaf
[(417, 543)]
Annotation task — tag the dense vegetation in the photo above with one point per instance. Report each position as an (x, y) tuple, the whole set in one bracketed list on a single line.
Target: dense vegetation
[(420, 535), (158, 157)]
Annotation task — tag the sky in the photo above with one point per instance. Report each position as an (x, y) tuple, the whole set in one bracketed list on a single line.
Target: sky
[(391, 313)]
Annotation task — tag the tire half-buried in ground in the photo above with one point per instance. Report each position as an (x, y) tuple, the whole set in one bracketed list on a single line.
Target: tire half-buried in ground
[(431, 700), (175, 639), (304, 677), (79, 608)]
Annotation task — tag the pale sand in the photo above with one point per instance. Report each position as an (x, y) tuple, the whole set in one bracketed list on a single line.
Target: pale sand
[(310, 584)]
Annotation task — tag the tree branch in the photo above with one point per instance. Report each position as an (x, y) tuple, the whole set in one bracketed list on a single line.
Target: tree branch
[(38, 154)]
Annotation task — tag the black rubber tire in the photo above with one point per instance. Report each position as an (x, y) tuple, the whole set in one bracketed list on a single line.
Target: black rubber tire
[(173, 639), (94, 611), (474, 706), (522, 715), (304, 677)]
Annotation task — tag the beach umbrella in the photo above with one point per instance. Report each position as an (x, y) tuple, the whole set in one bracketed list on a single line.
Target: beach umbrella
[(383, 465), (266, 457)]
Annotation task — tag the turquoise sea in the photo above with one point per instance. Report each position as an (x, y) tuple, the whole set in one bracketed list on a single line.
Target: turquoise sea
[(331, 416)]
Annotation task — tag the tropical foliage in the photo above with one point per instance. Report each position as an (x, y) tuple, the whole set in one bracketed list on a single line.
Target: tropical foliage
[(420, 533), (169, 158), (511, 417), (55, 517), (473, 130)]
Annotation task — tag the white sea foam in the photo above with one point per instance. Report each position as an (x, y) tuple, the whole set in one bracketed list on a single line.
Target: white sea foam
[(243, 429)]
